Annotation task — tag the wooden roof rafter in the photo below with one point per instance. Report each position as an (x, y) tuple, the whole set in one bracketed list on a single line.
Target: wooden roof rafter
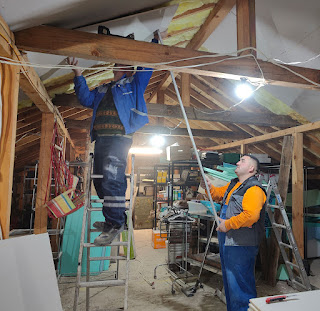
[(216, 16), (29, 79)]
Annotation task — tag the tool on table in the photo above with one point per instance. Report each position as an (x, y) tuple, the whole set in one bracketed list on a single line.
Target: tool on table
[(278, 298)]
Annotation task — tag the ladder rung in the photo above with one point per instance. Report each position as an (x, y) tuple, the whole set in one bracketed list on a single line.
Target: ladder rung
[(99, 209), (292, 264), (74, 163), (95, 209), (103, 283), (112, 244), (58, 147), (97, 201), (96, 176), (279, 226), (300, 284), (273, 206), (108, 258), (285, 245)]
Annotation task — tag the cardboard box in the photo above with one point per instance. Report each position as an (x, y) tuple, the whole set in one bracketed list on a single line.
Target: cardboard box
[(178, 153), (157, 241), (148, 190)]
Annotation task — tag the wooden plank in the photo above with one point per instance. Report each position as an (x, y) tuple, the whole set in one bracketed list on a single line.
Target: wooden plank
[(297, 192), (9, 96), (243, 149), (283, 182), (185, 89), (190, 12), (216, 16), (246, 26), (183, 132), (53, 40), (203, 114), (29, 80), (163, 130), (44, 174), (290, 131)]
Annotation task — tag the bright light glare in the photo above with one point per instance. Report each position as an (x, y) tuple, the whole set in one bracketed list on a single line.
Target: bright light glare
[(244, 90), (157, 141), (145, 151)]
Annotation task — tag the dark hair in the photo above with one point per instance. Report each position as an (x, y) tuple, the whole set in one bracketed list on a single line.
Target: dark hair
[(255, 159)]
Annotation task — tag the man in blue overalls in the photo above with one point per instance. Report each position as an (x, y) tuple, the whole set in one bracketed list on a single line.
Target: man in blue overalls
[(240, 231)]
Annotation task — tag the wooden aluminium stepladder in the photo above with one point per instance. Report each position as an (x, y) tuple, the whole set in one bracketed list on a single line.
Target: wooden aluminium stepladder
[(296, 270), (86, 244)]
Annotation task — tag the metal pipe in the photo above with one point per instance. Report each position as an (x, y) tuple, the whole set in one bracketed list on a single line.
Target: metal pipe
[(192, 139)]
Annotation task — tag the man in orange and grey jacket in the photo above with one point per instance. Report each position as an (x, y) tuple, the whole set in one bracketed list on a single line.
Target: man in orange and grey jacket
[(240, 231)]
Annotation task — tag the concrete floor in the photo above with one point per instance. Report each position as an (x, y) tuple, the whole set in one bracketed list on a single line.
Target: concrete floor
[(146, 294)]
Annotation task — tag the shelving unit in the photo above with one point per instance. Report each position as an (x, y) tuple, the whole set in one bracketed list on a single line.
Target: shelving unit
[(163, 185), (187, 176)]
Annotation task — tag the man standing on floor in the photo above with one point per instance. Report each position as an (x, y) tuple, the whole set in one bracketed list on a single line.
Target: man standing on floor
[(240, 231), (119, 109)]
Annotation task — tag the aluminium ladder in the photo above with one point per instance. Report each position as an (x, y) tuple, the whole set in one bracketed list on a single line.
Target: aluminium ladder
[(300, 281), (86, 244)]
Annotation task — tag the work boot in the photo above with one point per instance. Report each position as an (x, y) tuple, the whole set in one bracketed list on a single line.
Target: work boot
[(99, 225), (110, 232)]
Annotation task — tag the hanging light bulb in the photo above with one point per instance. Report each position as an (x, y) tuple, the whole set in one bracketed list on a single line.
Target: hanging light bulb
[(244, 89), (157, 141)]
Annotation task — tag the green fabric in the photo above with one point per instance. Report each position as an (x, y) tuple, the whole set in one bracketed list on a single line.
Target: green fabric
[(71, 244), (226, 175), (282, 274), (311, 198)]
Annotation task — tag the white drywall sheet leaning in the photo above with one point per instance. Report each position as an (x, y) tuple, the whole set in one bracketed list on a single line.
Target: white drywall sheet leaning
[(27, 275)]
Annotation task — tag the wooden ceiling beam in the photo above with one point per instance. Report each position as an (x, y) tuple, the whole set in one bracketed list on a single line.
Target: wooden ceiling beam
[(205, 114), (163, 130), (246, 26), (53, 40), (298, 129), (30, 82)]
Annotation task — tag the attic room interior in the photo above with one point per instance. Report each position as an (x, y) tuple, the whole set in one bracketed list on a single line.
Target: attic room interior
[(187, 132)]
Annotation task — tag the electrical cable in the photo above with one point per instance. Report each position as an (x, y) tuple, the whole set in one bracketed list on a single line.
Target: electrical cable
[(129, 67), (297, 63)]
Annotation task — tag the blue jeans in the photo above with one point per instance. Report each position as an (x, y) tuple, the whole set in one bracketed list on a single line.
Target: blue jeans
[(237, 265), (110, 160)]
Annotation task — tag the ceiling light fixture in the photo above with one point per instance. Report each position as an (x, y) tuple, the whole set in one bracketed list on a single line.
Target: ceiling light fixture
[(244, 89), (157, 141)]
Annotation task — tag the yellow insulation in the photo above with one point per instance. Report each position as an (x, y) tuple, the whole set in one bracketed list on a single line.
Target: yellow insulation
[(276, 106)]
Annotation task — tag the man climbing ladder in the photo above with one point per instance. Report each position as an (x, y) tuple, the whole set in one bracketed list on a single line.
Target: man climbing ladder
[(119, 109)]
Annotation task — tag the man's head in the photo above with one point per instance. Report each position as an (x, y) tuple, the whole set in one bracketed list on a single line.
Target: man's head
[(120, 69), (247, 166)]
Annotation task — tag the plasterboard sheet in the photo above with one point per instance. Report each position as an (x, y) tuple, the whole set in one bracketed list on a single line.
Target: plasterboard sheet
[(27, 275), (301, 301), (142, 25)]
